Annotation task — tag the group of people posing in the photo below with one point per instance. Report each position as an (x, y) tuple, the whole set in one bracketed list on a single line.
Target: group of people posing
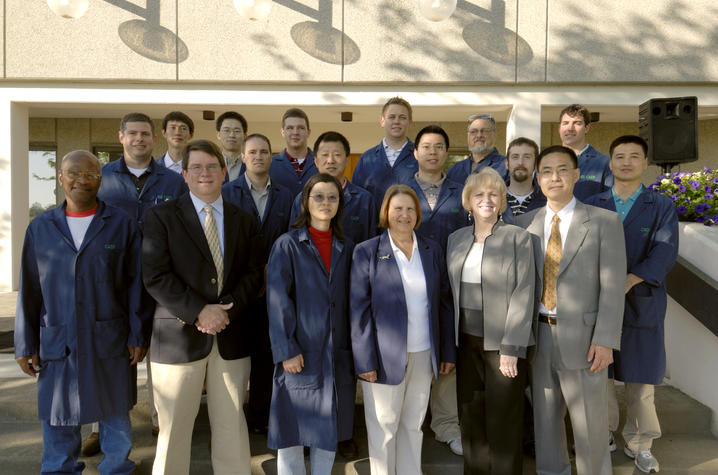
[(526, 280)]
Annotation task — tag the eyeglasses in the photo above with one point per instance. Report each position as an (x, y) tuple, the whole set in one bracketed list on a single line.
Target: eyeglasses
[(228, 131), (320, 198), (483, 132), (211, 168), (563, 172), (74, 175), (428, 146)]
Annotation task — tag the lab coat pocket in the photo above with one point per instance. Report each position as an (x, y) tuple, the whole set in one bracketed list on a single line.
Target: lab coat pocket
[(53, 343), (639, 312), (311, 375), (111, 338)]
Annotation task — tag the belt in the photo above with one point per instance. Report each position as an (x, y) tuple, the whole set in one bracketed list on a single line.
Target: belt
[(551, 320)]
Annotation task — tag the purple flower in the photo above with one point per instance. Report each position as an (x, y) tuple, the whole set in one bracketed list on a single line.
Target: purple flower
[(706, 169), (674, 197), (677, 180), (700, 219), (682, 188), (694, 184), (715, 180), (709, 196), (708, 223), (652, 187), (707, 188), (715, 218), (702, 207), (681, 210)]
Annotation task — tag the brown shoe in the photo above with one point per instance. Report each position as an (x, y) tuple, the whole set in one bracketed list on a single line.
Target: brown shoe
[(91, 445), (155, 431), (348, 449)]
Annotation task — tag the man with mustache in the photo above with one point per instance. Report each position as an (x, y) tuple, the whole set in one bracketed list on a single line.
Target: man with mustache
[(523, 193), (481, 139), (596, 176)]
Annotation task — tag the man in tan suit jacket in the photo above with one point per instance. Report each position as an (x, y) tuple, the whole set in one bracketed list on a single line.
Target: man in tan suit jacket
[(581, 267)]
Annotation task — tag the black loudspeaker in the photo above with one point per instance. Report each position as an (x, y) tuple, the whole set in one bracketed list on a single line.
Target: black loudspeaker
[(670, 126)]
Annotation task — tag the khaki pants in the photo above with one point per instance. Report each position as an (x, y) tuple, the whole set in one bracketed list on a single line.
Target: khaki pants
[(178, 390), (641, 419), (444, 410)]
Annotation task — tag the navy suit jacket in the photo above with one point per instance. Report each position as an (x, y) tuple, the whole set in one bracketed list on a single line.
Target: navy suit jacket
[(378, 314)]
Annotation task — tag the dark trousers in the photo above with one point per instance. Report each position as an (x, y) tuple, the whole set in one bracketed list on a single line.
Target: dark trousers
[(260, 377), (491, 408)]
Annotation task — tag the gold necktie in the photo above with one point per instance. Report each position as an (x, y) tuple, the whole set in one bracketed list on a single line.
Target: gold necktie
[(550, 265), (210, 232)]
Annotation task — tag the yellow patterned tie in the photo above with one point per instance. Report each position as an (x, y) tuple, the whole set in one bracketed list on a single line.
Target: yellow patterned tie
[(210, 232), (551, 264)]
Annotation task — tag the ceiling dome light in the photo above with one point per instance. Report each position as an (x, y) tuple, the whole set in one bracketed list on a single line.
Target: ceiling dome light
[(255, 10), (437, 10), (69, 8)]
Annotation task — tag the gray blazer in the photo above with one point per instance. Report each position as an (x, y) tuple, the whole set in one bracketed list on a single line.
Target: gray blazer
[(507, 285), (591, 280)]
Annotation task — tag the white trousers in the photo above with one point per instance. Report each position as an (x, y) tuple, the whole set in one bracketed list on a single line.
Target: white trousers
[(394, 415), (178, 390)]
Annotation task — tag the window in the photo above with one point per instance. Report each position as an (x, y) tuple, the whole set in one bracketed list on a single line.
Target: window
[(42, 178)]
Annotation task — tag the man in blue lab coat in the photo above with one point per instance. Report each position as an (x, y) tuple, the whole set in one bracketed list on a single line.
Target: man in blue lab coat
[(295, 164), (481, 137), (80, 326), (392, 161), (650, 225)]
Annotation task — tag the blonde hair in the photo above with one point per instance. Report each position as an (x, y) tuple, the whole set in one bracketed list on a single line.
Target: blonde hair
[(489, 178)]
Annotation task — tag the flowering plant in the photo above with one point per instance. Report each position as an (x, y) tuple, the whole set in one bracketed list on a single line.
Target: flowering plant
[(695, 195)]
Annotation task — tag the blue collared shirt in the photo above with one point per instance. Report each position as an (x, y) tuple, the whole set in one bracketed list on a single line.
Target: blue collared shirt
[(218, 210), (624, 207)]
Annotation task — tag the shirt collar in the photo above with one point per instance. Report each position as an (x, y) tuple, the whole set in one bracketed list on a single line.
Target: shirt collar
[(631, 198), (387, 146), (169, 162), (199, 205), (396, 249), (252, 187), (425, 184), (566, 210), (584, 149)]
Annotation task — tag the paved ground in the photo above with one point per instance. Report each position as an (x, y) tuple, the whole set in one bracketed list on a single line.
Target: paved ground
[(687, 447)]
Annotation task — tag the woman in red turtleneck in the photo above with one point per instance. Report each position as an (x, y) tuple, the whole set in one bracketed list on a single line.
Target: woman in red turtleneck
[(307, 294)]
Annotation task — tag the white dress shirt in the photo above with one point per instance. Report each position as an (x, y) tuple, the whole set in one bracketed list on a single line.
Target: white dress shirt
[(417, 301), (171, 164), (565, 215), (218, 211), (259, 196), (392, 154)]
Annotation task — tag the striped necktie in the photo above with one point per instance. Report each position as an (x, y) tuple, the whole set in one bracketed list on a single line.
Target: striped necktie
[(551, 264), (210, 232)]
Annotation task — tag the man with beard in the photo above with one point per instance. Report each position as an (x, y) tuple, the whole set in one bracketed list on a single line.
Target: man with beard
[(481, 140), (523, 193)]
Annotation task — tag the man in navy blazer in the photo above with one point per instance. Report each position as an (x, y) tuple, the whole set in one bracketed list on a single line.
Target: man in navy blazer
[(202, 264), (650, 224)]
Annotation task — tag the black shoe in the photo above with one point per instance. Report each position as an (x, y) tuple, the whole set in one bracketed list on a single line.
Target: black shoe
[(348, 449)]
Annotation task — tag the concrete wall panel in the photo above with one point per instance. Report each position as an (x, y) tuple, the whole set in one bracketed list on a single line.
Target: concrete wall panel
[(296, 44), (476, 44), (617, 41), (531, 31), (108, 42)]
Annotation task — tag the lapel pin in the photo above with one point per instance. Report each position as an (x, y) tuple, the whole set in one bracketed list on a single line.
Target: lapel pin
[(383, 258)]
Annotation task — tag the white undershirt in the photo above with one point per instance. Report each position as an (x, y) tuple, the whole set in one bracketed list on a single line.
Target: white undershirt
[(471, 271), (418, 334), (565, 215), (137, 171), (520, 198), (391, 153), (78, 228)]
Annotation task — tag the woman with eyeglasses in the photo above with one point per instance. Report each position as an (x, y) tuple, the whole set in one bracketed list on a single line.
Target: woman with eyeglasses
[(402, 334), (307, 292), (491, 271)]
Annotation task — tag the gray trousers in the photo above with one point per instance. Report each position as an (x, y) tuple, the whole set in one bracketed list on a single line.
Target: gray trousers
[(583, 393)]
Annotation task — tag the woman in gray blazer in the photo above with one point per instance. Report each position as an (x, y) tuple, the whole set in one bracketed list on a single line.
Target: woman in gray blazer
[(491, 272)]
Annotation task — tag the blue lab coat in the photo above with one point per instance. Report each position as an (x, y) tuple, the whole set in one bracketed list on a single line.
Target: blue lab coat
[(275, 221), (282, 172), (117, 188), (651, 231), (596, 176), (379, 317), (447, 216), (79, 309), (460, 171), (375, 175), (360, 217), (308, 314)]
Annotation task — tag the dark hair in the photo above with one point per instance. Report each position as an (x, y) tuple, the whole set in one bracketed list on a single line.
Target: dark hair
[(557, 149), (391, 192), (232, 115), (331, 136), (202, 146), (178, 117), (398, 101), (624, 139), (304, 218), (488, 117), (575, 110), (257, 136), (136, 117), (522, 141), (432, 129), (296, 113)]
